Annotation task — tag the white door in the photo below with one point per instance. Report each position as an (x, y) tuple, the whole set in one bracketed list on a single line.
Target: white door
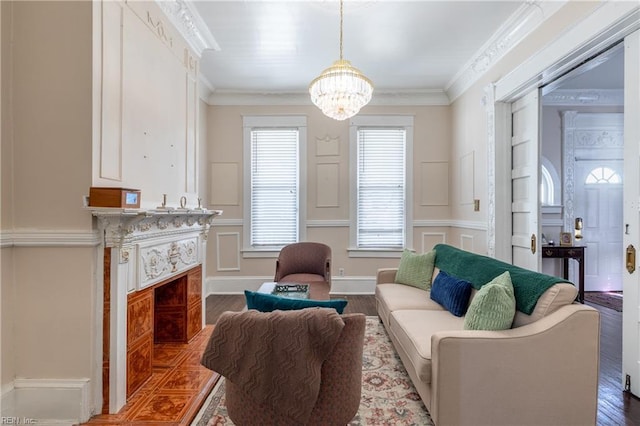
[(631, 214), (598, 201), (525, 182)]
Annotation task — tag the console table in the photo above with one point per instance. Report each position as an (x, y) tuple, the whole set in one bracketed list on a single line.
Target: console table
[(565, 253)]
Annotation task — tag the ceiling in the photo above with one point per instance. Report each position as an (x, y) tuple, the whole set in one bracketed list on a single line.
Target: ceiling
[(280, 46), (417, 47)]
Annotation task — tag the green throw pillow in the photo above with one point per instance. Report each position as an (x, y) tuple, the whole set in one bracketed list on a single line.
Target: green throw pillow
[(416, 269), (493, 307)]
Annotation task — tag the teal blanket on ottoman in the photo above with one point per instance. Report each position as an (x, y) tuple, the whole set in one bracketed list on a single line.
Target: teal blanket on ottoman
[(528, 285)]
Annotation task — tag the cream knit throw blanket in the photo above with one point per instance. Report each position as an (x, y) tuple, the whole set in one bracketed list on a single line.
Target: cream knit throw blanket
[(275, 357)]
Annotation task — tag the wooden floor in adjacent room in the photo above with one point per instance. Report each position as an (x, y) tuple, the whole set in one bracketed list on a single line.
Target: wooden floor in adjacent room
[(615, 406)]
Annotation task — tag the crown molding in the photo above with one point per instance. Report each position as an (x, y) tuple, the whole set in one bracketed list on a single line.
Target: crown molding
[(381, 98), (189, 23), (520, 24), (584, 97)]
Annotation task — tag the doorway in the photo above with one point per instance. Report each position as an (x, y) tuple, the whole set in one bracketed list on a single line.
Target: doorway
[(582, 142), (598, 32)]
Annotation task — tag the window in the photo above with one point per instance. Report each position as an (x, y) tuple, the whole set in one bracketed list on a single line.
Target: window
[(601, 175), (380, 182), (546, 187), (549, 186), (273, 191)]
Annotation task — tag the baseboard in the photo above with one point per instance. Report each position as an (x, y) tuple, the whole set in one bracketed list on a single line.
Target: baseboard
[(47, 401), (237, 285)]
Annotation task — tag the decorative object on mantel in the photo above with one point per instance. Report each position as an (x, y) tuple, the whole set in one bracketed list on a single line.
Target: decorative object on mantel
[(341, 90), (164, 206), (114, 197)]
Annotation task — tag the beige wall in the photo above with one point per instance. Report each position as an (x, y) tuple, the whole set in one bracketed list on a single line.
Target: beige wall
[(225, 149), (48, 295), (469, 116), (56, 127)]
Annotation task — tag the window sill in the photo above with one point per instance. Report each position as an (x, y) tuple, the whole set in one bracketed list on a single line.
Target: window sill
[(375, 253), (256, 253)]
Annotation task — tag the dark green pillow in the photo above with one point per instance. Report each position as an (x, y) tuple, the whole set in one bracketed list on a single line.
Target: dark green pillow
[(416, 269), (268, 302)]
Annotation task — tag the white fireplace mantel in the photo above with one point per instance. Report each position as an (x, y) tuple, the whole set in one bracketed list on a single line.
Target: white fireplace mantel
[(146, 247), (126, 226)]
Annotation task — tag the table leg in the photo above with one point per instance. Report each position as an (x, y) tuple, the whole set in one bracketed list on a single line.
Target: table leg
[(581, 279)]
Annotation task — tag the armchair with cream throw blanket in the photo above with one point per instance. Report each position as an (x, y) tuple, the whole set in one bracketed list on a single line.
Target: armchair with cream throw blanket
[(299, 367)]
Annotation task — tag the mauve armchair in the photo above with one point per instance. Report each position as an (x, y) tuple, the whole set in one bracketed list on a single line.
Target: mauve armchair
[(340, 386), (304, 262)]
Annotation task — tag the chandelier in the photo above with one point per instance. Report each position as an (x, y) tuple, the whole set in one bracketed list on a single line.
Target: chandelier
[(341, 90)]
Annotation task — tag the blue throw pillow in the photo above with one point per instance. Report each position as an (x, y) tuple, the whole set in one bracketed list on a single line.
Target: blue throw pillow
[(452, 293), (268, 302)]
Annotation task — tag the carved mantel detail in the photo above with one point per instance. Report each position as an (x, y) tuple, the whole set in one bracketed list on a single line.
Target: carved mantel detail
[(126, 227)]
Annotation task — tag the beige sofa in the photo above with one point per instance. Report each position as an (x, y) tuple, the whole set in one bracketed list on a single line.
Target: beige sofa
[(542, 371)]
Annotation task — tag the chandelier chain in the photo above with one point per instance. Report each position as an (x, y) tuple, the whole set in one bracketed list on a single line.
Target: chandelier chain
[(341, 24)]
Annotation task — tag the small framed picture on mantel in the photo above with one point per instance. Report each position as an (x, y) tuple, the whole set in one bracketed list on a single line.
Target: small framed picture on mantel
[(566, 239)]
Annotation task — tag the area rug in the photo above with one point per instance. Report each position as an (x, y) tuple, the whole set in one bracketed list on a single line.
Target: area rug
[(611, 300), (388, 396)]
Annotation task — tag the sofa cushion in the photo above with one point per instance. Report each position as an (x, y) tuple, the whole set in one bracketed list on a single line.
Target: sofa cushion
[(413, 329), (551, 300), (416, 269), (451, 292), (393, 297), (269, 302), (493, 307)]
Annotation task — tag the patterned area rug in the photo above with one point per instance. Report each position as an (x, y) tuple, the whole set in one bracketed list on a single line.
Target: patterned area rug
[(388, 396), (611, 300)]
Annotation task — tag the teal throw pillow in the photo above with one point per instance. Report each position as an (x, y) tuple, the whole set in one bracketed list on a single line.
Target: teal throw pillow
[(451, 292), (268, 302), (493, 307), (416, 269)]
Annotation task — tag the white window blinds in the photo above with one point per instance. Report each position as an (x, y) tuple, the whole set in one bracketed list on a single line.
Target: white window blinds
[(274, 187), (381, 188)]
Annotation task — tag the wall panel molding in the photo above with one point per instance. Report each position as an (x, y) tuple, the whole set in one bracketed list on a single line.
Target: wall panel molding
[(228, 243), (430, 239), (466, 242)]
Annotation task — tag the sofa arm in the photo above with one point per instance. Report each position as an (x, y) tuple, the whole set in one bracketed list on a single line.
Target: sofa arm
[(542, 373), (386, 275)]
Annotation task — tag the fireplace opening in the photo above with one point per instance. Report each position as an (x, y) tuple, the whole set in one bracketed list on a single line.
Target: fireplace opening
[(167, 312)]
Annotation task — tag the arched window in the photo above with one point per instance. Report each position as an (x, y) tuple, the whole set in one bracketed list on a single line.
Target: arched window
[(602, 175), (546, 187), (549, 183)]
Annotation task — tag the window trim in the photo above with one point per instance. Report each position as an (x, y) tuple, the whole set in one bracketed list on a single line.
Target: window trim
[(250, 122), (405, 121)]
